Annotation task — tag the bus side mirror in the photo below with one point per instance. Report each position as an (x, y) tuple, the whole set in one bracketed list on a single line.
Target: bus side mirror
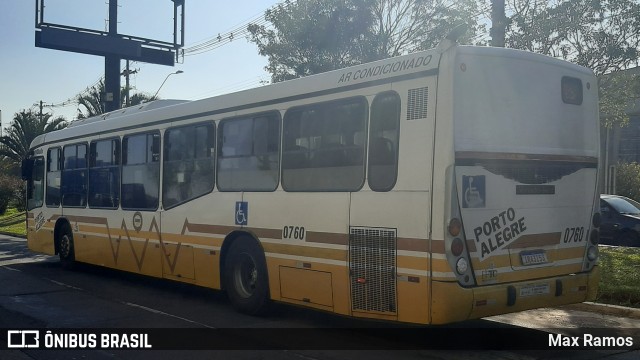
[(27, 168)]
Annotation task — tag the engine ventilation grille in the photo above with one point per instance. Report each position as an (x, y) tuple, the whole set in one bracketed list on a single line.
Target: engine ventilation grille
[(417, 104), (372, 265)]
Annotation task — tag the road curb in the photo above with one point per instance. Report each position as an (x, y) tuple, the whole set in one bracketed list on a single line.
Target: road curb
[(604, 309), (13, 235)]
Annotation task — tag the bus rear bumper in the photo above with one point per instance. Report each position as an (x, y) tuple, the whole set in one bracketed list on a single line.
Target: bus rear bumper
[(458, 303)]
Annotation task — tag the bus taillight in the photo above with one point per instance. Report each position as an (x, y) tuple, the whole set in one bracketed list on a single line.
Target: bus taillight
[(455, 226), (456, 250), (594, 237), (457, 247)]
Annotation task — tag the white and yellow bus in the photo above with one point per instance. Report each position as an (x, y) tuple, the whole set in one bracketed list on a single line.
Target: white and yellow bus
[(435, 187)]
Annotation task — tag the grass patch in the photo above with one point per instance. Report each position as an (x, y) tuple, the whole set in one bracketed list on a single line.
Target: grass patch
[(13, 222), (620, 276)]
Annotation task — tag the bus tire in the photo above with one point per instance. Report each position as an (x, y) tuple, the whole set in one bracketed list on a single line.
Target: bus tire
[(66, 249), (245, 277)]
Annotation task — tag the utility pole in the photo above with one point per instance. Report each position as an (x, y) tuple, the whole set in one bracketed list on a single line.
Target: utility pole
[(40, 114), (113, 46), (112, 64), (498, 23), (126, 74)]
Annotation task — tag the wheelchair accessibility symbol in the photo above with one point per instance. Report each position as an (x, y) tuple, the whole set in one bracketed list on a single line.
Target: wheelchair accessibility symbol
[(473, 191), (242, 212)]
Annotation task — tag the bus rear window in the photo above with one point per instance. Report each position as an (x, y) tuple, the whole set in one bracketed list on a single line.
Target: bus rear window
[(571, 90)]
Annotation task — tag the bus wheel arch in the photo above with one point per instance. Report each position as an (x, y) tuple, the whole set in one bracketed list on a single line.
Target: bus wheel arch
[(244, 273), (63, 242)]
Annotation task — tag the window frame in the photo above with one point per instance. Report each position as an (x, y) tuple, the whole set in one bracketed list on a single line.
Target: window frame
[(122, 167), (75, 168), (31, 184), (397, 140), (213, 156), (357, 99), (46, 196), (252, 117), (573, 82), (118, 164)]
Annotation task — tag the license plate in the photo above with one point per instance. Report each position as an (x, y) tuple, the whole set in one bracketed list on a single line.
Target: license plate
[(534, 289), (533, 257)]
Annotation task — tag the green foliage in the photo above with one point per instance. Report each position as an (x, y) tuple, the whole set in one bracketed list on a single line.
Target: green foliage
[(628, 180), (620, 278), (312, 36), (11, 191), (13, 222), (26, 126), (615, 91), (92, 103)]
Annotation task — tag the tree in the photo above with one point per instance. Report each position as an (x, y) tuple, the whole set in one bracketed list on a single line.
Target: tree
[(11, 192), (628, 180), (603, 35), (25, 127), (14, 147), (92, 102), (313, 36)]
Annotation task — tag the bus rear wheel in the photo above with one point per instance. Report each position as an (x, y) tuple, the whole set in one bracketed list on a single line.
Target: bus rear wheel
[(245, 277), (66, 249)]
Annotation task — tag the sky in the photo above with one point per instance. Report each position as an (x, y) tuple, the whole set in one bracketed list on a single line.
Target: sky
[(29, 74)]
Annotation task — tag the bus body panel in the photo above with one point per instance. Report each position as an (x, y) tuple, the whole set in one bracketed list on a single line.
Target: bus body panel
[(382, 254)]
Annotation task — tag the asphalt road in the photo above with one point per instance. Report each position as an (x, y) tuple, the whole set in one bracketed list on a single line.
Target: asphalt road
[(36, 293)]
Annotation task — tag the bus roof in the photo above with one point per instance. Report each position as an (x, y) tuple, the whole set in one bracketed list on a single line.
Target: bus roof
[(520, 55), (406, 66), (424, 63)]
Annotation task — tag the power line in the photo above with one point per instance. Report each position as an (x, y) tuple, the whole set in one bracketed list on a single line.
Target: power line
[(73, 100), (224, 38)]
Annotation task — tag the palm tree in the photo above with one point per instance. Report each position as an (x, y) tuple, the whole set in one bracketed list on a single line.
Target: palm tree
[(93, 101), (26, 126)]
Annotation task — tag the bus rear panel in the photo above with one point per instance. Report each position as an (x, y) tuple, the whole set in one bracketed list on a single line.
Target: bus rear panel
[(525, 145)]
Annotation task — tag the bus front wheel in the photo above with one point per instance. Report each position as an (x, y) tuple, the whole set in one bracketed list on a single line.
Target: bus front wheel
[(66, 249), (246, 279)]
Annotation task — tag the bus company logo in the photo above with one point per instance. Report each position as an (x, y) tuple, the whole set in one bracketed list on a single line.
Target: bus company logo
[(137, 221), (39, 221), (20, 339)]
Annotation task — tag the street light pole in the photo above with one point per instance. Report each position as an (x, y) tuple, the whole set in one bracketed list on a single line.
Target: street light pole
[(165, 80)]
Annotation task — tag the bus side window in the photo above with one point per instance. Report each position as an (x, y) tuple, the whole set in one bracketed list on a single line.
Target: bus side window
[(188, 170), (35, 184), (383, 141), (104, 174), (324, 146), (54, 176), (74, 176), (248, 153), (140, 184)]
